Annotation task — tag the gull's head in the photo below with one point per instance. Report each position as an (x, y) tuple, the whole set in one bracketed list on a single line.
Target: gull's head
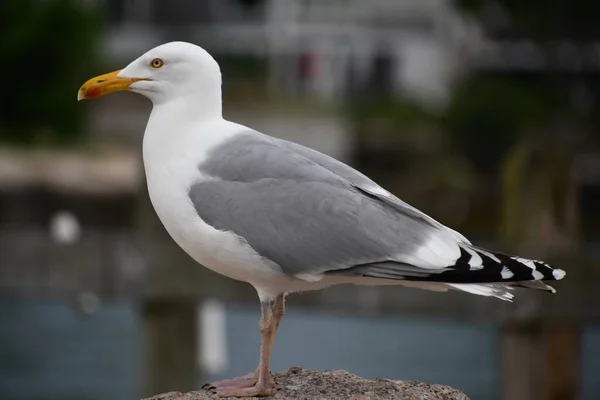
[(171, 71)]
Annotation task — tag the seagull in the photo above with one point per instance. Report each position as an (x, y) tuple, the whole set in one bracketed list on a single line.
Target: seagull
[(283, 217)]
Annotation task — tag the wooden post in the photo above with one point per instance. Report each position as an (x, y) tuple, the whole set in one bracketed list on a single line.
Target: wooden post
[(170, 346), (520, 361), (562, 359), (541, 361)]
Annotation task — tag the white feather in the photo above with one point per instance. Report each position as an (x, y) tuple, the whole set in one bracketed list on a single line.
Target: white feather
[(558, 274), (475, 262), (506, 273), (439, 251), (483, 289), (537, 275)]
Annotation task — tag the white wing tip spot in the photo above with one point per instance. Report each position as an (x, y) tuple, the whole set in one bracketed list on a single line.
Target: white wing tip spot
[(537, 275), (506, 273), (558, 274)]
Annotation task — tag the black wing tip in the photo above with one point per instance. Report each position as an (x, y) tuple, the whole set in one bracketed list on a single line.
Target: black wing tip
[(492, 268), (516, 268), (497, 267)]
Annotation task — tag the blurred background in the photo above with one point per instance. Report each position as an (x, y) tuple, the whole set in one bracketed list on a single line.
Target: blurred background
[(482, 113)]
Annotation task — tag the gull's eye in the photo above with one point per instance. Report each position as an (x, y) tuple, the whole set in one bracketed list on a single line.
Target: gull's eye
[(157, 63)]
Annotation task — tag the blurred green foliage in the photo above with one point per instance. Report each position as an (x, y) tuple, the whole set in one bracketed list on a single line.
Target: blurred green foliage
[(485, 117), (44, 51), (490, 113)]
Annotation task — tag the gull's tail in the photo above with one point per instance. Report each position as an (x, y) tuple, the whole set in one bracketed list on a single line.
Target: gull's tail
[(477, 265), (476, 271), (491, 273)]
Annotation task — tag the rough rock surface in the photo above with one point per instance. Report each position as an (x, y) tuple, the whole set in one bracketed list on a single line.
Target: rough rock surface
[(303, 384)]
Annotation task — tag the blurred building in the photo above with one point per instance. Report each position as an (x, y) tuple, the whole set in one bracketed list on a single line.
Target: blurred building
[(328, 49)]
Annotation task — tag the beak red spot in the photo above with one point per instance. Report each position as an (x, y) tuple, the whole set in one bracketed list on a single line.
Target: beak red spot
[(92, 93)]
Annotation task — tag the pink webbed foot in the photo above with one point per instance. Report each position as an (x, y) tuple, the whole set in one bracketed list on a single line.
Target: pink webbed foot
[(245, 381), (252, 391)]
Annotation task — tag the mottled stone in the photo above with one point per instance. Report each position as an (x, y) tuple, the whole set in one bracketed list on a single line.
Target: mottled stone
[(303, 384)]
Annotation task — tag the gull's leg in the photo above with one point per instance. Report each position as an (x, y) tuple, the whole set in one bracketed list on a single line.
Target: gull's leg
[(262, 385), (248, 380), (278, 309)]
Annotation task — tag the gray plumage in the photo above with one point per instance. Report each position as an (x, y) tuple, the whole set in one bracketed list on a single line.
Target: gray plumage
[(311, 214), (299, 214), (359, 181)]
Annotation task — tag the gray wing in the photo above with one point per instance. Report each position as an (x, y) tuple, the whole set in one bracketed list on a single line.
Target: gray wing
[(364, 183), (310, 219)]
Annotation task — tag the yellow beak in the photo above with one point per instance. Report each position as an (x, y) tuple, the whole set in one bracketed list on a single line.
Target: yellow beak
[(105, 84)]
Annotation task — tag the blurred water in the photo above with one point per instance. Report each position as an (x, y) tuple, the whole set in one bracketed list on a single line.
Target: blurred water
[(591, 363), (51, 350)]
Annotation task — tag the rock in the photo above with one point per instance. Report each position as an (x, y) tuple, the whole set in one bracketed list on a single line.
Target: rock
[(303, 384)]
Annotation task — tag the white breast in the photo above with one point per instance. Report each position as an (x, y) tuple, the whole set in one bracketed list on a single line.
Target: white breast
[(171, 163)]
